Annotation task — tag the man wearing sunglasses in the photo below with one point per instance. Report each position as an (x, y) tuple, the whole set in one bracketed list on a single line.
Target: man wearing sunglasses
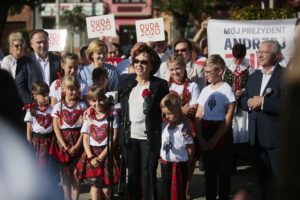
[(194, 72)]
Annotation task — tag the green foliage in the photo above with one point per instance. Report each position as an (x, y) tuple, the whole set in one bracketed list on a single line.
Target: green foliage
[(254, 12), (182, 10), (74, 19), (16, 6)]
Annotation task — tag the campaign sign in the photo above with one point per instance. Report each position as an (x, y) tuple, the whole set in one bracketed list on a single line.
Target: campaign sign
[(57, 39), (150, 30), (113, 61), (224, 34), (103, 25)]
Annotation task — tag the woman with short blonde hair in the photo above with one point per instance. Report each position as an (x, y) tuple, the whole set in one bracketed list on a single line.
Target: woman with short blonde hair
[(96, 54), (16, 49)]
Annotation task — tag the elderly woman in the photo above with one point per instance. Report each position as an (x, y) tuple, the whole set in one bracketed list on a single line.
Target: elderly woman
[(96, 54), (142, 92), (16, 48)]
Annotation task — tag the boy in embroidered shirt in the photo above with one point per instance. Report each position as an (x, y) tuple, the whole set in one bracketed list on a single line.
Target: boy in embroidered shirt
[(177, 148)]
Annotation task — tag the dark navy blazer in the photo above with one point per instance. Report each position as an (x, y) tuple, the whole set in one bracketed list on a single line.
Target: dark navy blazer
[(264, 125), (28, 71), (159, 89)]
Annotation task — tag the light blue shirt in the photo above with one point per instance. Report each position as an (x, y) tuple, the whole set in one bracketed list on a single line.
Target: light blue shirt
[(113, 76)]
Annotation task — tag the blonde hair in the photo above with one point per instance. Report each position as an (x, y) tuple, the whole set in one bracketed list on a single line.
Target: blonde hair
[(15, 36), (172, 102), (70, 81), (215, 61), (96, 93), (177, 59), (93, 46)]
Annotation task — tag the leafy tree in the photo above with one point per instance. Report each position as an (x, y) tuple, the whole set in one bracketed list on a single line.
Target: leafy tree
[(74, 21), (254, 12), (12, 7), (182, 10)]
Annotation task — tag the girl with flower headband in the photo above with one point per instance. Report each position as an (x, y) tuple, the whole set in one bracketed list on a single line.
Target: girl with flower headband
[(177, 148), (93, 164), (69, 64), (39, 123), (189, 92), (66, 147)]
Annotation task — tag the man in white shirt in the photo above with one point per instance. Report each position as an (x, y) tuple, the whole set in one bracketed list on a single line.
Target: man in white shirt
[(263, 101), (37, 66)]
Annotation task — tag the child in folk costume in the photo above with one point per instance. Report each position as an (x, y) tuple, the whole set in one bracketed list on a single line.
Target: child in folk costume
[(188, 92), (39, 123), (93, 165), (177, 148), (100, 79), (216, 105), (69, 64), (236, 75), (66, 147)]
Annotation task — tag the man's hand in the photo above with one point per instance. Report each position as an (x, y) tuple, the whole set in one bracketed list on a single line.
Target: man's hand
[(255, 102)]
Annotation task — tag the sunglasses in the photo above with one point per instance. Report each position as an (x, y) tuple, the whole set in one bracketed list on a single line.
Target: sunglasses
[(180, 50), (143, 62)]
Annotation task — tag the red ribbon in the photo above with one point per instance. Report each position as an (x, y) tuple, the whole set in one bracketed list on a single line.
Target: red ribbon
[(92, 113), (28, 106)]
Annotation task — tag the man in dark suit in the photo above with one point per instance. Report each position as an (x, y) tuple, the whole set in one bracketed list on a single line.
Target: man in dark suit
[(37, 66), (263, 100)]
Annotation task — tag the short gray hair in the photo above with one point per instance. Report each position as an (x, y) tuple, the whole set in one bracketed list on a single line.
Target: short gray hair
[(276, 48)]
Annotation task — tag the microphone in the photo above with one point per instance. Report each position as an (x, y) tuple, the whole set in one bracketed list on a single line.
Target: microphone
[(268, 91), (112, 96), (128, 89), (146, 95)]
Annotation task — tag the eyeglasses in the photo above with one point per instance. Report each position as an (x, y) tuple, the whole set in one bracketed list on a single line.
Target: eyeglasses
[(143, 62), (261, 52), (180, 50), (210, 72)]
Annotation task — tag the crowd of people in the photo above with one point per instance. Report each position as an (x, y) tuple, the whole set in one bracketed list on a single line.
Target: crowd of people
[(175, 106)]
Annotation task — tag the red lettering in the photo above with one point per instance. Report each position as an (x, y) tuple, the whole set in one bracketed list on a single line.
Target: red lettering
[(54, 39)]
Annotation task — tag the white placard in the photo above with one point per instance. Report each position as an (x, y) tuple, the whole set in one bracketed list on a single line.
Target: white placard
[(223, 34), (150, 30), (103, 25), (57, 39)]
